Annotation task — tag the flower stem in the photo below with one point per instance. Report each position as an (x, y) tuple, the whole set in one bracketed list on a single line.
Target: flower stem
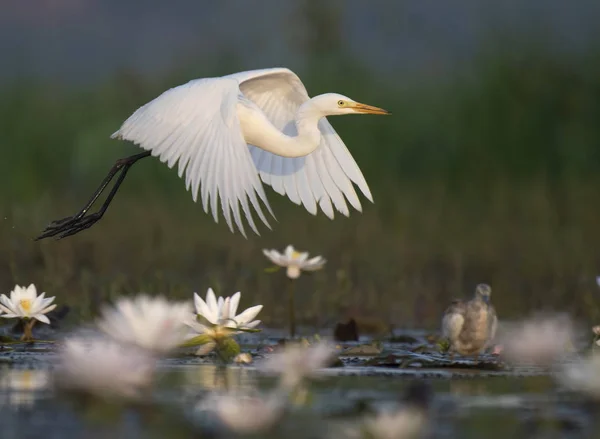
[(27, 327), (291, 287)]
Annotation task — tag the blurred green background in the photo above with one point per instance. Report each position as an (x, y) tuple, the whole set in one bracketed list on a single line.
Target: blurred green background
[(488, 170)]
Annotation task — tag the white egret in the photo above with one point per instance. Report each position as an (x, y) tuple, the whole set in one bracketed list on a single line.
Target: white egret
[(229, 133)]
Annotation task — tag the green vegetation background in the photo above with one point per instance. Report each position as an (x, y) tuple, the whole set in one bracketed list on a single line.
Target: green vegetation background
[(490, 174)]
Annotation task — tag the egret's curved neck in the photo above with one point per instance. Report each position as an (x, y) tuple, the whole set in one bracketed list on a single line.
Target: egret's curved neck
[(298, 139)]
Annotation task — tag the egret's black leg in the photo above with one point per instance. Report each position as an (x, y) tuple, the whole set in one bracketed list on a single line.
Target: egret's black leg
[(80, 221)]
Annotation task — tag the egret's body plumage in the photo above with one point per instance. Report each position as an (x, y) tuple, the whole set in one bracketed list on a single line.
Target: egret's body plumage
[(228, 134)]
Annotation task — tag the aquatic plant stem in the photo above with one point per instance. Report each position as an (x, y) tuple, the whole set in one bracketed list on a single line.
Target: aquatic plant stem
[(27, 327), (291, 287)]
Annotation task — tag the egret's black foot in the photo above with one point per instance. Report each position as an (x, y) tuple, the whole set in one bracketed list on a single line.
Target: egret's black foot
[(69, 226)]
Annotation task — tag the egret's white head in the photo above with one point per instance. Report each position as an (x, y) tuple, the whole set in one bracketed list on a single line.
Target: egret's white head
[(333, 104)]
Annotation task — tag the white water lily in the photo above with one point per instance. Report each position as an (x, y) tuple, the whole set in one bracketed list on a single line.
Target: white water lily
[(294, 261), (103, 367), (297, 362), (403, 424), (541, 340), (583, 376), (216, 320), (151, 323), (245, 414), (222, 312), (25, 303)]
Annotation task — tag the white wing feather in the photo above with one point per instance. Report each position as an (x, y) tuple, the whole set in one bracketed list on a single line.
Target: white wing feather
[(324, 176), (197, 124)]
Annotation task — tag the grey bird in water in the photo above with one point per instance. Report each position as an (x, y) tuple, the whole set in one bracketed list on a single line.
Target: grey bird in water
[(470, 325)]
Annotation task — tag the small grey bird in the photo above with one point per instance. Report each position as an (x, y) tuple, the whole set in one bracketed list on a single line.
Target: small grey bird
[(470, 326)]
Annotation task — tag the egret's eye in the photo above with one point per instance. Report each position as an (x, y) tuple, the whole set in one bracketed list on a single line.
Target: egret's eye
[(341, 103)]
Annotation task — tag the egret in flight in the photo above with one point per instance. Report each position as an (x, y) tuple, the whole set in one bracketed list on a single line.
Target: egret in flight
[(229, 133)]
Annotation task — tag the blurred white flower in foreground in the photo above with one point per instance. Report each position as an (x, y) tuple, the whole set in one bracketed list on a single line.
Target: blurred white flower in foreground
[(246, 414), (25, 303), (541, 340), (222, 311), (403, 424), (104, 368), (151, 323), (583, 376), (296, 362), (411, 420), (294, 261)]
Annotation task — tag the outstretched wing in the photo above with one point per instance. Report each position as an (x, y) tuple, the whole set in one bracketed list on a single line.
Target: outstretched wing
[(326, 175), (197, 125)]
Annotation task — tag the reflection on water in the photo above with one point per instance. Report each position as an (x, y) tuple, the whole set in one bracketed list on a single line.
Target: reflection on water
[(468, 388), (471, 408), (19, 389), (215, 378)]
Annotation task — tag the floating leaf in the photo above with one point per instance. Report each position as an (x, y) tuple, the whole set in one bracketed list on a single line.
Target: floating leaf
[(250, 330), (273, 269), (363, 350), (199, 340)]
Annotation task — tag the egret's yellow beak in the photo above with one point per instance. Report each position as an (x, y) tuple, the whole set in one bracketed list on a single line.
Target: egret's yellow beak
[(368, 109)]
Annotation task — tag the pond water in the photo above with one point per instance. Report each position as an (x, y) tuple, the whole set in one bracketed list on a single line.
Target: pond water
[(467, 403)]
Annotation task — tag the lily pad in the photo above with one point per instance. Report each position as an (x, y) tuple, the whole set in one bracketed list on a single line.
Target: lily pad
[(363, 350)]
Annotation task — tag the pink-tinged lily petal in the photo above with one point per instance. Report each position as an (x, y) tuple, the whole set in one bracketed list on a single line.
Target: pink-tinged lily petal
[(6, 304), (196, 326), (17, 293), (248, 315), (275, 257), (42, 318), (203, 309), (35, 304), (47, 302), (235, 301), (314, 264), (31, 292), (289, 252), (224, 314), (9, 315), (212, 303), (10, 305), (269, 255), (253, 324), (47, 309), (316, 260)]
